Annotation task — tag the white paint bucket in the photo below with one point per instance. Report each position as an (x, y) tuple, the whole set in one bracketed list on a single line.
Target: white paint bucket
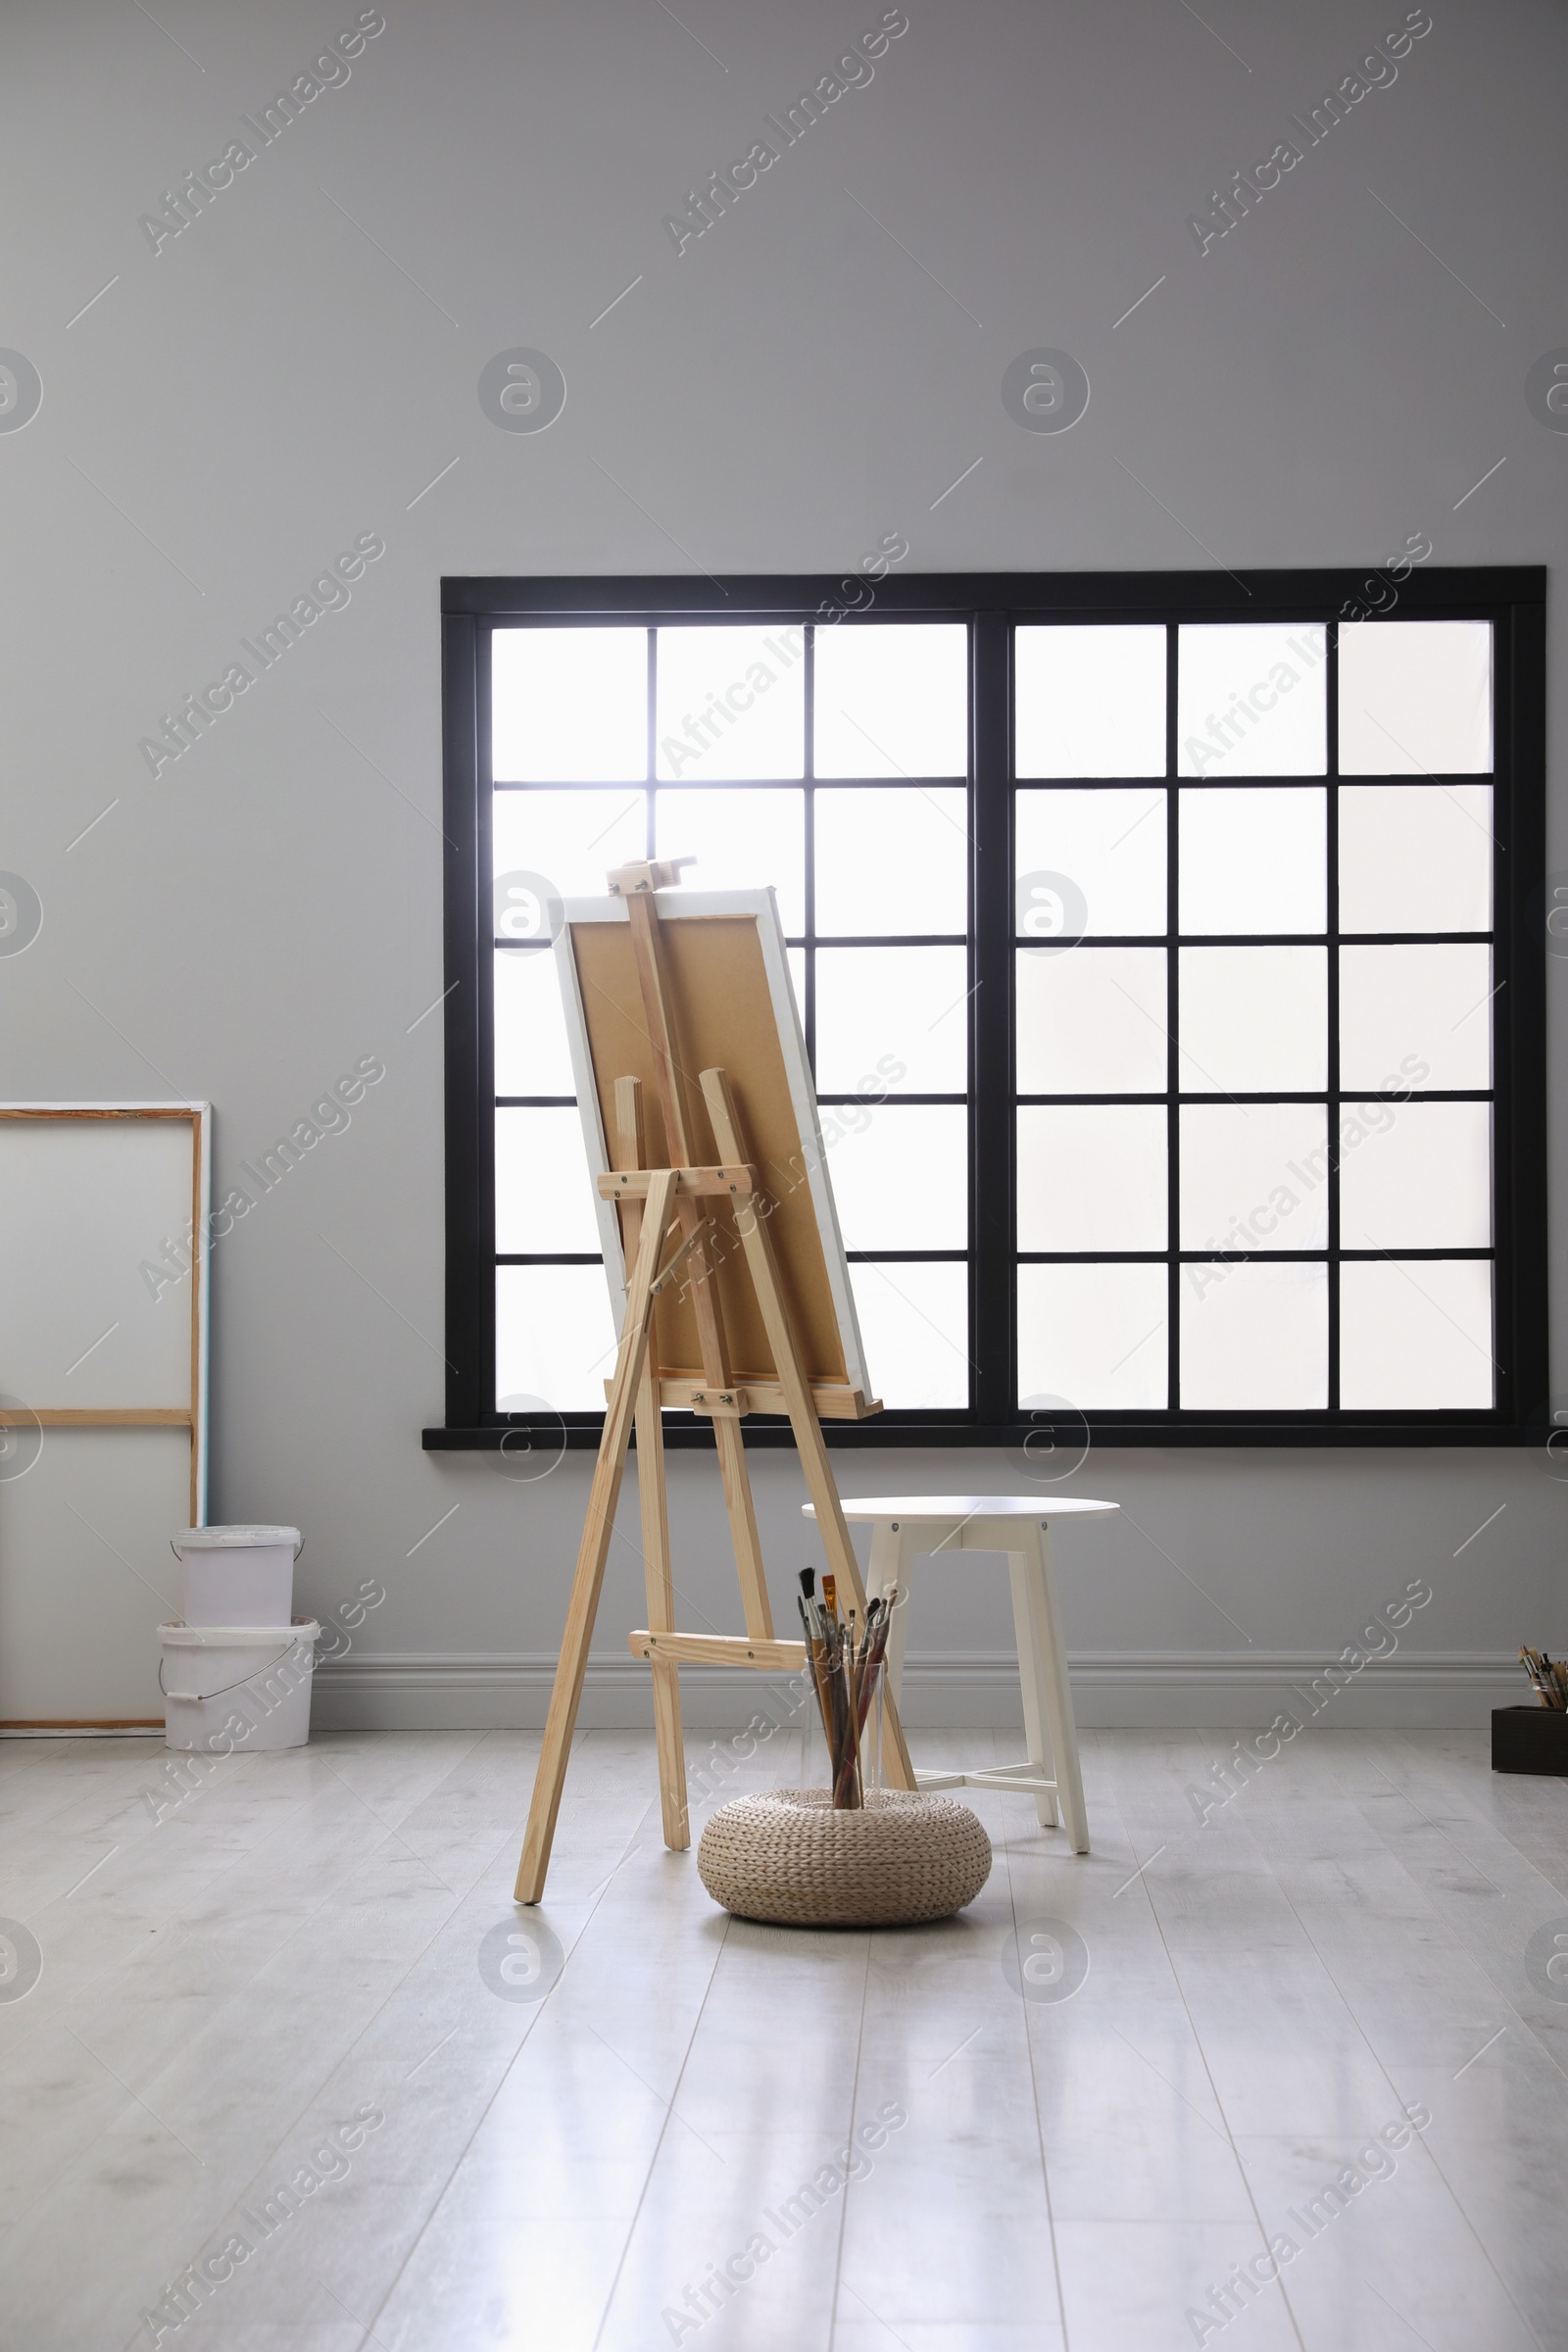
[(237, 1575), (235, 1689)]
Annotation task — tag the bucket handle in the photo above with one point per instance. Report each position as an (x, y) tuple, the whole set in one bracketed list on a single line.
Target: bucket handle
[(173, 1545), (203, 1695)]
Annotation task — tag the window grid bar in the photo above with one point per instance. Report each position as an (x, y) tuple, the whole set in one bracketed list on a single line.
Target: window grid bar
[(549, 1258), (907, 1257), (1239, 783), (992, 900), (1245, 1257), (1331, 885), (1276, 938), (1351, 1095), (808, 765), (1173, 1074), (899, 783)]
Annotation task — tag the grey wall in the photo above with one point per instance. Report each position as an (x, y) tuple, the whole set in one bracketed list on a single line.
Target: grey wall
[(293, 370)]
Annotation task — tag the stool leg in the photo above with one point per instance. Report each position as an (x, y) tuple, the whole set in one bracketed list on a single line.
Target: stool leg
[(1036, 1709), (1048, 1666), (891, 1555)]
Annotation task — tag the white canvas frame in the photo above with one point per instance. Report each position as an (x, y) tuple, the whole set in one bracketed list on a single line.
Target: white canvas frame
[(201, 1119)]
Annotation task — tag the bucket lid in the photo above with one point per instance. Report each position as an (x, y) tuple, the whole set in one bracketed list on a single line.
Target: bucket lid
[(231, 1538), (239, 1636)]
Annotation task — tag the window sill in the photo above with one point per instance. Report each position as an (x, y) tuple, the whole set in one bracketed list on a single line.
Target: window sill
[(881, 1433)]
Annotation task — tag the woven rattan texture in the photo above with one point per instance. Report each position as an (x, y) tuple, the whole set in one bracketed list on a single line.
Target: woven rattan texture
[(787, 1857)]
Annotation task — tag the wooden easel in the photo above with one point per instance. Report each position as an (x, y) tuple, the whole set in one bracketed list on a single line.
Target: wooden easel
[(653, 1204)]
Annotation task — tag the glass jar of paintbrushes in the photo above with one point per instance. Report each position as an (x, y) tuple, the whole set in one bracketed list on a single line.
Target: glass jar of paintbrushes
[(843, 1658)]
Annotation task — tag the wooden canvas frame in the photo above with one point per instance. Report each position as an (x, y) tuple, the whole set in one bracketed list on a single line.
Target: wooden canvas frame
[(192, 1416)]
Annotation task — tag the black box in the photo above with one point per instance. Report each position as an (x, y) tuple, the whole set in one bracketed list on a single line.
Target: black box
[(1530, 1739)]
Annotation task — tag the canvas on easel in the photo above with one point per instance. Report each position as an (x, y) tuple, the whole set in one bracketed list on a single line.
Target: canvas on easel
[(716, 1213)]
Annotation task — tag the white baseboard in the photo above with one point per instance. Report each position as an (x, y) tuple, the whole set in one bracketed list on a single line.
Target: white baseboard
[(456, 1689)]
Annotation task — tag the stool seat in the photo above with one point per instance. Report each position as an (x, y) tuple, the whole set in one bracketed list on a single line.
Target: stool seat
[(919, 1511), (905, 1526)]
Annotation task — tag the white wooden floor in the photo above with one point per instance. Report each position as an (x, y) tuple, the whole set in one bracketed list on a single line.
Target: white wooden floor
[(572, 2145)]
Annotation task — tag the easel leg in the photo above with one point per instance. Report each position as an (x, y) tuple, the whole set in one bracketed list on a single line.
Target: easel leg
[(891, 1555), (744, 1536), (654, 1505), (651, 1499), (598, 1530)]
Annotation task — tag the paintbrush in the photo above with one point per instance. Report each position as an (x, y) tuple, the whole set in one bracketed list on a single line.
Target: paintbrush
[(816, 1664), (1550, 1680), (877, 1641), (846, 1785)]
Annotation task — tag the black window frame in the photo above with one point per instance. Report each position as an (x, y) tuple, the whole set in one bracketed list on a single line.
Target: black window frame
[(1512, 598)]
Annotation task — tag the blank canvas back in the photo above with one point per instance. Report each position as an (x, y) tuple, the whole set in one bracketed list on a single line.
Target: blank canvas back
[(727, 992)]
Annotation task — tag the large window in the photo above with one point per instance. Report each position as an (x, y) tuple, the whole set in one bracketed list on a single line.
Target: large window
[(1170, 963)]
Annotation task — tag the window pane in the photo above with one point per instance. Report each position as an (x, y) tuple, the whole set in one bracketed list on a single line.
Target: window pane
[(893, 700), (1110, 846), (1093, 1336), (899, 1174), (1415, 697), (741, 841), (1253, 861), (554, 1337), (1254, 1336), (531, 1056), (524, 907), (1416, 1337), (1254, 1177), (569, 839), (1415, 1176), (915, 1321), (892, 1020), (892, 859), (1250, 699), (544, 1192), (1415, 1016), (1092, 1177), (568, 706), (1415, 858), (1254, 1020), (1092, 1021), (1090, 702), (730, 702)]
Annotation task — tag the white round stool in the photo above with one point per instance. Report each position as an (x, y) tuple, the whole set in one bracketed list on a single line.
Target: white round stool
[(904, 1525)]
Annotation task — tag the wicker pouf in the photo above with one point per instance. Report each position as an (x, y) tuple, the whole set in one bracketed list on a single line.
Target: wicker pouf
[(786, 1856)]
